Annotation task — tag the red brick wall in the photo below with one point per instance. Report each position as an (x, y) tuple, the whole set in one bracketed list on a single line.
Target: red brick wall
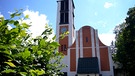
[(104, 59), (79, 53), (63, 42), (73, 45), (87, 52), (100, 43), (79, 42), (73, 60), (86, 34), (95, 43)]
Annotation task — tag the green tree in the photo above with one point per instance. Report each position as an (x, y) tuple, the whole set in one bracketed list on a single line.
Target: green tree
[(20, 54), (125, 43)]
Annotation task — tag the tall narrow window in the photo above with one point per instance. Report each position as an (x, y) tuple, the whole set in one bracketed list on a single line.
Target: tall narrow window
[(66, 5), (61, 47), (86, 39), (66, 17), (65, 48), (61, 17), (62, 5), (64, 12)]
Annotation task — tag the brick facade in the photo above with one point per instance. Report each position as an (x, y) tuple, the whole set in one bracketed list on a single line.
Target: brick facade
[(80, 44)]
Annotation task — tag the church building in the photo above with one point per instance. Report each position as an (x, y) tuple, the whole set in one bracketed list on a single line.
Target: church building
[(84, 53)]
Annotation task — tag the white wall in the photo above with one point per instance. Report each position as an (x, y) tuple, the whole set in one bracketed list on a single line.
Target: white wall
[(65, 62), (106, 73), (88, 74), (72, 74)]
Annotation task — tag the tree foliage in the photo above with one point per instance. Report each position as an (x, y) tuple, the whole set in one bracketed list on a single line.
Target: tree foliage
[(125, 43), (20, 54)]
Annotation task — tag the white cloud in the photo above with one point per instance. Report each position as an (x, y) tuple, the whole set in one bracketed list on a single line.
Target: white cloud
[(108, 5), (9, 27), (10, 12), (38, 22), (107, 38), (1, 15)]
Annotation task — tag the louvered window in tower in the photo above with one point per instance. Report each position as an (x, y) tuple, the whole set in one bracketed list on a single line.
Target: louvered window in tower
[(64, 15), (64, 5), (64, 18)]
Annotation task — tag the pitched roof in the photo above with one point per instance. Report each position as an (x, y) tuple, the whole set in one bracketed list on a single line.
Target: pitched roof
[(88, 65)]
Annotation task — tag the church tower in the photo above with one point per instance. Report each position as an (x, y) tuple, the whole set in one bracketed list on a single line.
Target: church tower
[(65, 22)]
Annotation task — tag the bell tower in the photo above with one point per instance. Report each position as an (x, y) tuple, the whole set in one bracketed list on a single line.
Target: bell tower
[(65, 22)]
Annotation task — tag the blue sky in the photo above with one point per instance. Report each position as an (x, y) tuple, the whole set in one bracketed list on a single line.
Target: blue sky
[(103, 15)]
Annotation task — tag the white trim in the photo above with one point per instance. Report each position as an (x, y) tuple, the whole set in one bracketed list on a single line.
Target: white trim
[(68, 51), (63, 24), (110, 61), (98, 50), (81, 43), (93, 44), (77, 49), (58, 20), (70, 39), (88, 74), (83, 47), (92, 47), (103, 46), (106, 73), (72, 74), (65, 61), (73, 48)]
